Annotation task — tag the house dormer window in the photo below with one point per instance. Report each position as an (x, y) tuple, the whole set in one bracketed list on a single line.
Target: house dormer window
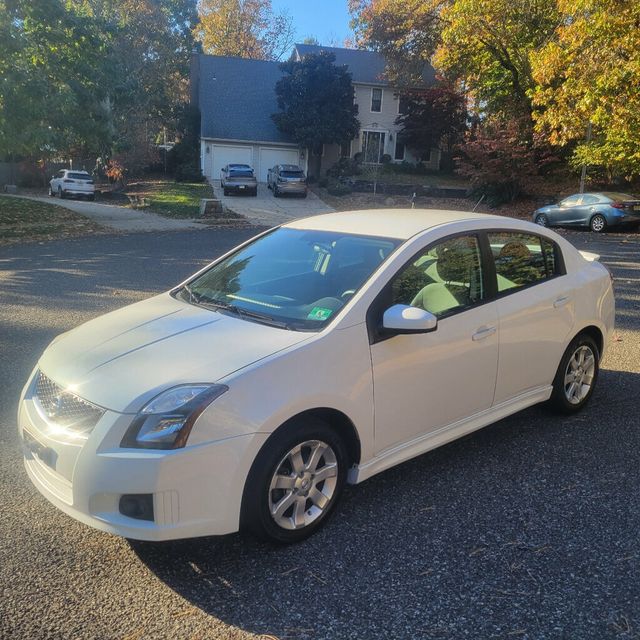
[(376, 100)]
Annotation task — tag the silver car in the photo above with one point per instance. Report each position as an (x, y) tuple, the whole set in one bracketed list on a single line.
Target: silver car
[(68, 182), (287, 178), (598, 211), (238, 178)]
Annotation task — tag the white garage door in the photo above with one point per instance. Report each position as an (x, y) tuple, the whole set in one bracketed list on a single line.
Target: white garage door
[(225, 154), (269, 157)]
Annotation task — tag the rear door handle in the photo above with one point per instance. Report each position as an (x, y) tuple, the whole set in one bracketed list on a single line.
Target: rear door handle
[(483, 333), (561, 301)]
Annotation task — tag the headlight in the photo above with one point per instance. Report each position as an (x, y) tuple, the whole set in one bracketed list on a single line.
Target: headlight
[(166, 421)]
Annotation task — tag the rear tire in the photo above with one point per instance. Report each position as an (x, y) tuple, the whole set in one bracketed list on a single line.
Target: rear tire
[(598, 223), (276, 193), (542, 220), (577, 375), (225, 191), (295, 481), (91, 197)]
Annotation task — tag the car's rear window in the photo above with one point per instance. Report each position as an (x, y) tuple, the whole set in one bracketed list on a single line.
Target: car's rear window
[(79, 176), (241, 173), (620, 197), (292, 174)]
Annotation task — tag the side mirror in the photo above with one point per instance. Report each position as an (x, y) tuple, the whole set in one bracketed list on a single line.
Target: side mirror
[(402, 318)]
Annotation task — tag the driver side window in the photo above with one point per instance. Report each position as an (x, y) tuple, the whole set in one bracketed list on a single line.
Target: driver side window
[(445, 279)]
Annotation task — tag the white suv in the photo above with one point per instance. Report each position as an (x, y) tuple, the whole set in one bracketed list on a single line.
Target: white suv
[(68, 182)]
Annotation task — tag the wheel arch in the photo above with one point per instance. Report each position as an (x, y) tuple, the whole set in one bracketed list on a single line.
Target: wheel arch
[(595, 333)]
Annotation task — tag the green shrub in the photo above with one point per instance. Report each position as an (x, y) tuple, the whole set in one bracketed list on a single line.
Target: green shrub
[(188, 173), (339, 189)]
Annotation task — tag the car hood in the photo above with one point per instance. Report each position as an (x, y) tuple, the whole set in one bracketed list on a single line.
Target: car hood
[(123, 359)]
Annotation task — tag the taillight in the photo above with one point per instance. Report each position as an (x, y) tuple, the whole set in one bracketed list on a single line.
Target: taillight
[(617, 205)]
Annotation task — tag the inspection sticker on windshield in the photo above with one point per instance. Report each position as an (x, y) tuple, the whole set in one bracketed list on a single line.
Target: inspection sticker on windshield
[(319, 313)]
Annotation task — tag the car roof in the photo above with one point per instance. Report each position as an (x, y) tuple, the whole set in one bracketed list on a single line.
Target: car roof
[(389, 223)]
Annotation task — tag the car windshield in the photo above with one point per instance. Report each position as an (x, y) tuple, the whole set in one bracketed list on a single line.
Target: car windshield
[(291, 278)]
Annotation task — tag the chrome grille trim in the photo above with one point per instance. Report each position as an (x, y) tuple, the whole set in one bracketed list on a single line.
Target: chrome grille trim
[(64, 408)]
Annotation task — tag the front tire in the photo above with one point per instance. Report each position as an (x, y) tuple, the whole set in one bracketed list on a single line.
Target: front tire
[(295, 481), (577, 375), (598, 223), (61, 193)]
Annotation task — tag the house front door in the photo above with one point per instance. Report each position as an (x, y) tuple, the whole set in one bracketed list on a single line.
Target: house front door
[(372, 146)]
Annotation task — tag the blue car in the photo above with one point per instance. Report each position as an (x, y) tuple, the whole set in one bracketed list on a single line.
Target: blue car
[(598, 211)]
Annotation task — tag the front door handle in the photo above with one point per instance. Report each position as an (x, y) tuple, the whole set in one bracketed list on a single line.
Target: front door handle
[(561, 301), (482, 333)]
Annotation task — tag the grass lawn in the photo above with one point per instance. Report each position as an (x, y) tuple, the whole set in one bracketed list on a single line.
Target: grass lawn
[(431, 179), (172, 199), (25, 220)]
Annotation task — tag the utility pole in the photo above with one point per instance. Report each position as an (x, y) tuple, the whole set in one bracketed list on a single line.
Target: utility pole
[(583, 175)]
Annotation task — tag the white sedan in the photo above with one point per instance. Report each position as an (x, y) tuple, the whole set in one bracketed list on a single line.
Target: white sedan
[(317, 354)]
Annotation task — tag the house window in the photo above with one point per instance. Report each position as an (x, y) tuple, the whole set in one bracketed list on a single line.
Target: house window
[(399, 152), (376, 100), (403, 105), (345, 149)]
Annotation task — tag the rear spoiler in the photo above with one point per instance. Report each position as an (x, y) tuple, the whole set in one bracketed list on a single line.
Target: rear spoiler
[(591, 257)]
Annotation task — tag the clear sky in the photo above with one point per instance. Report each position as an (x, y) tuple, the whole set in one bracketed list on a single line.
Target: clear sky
[(327, 20)]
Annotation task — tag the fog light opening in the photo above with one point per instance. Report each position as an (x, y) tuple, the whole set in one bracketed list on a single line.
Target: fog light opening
[(137, 505)]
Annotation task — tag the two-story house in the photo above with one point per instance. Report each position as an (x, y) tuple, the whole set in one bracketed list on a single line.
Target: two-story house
[(379, 105), (236, 97)]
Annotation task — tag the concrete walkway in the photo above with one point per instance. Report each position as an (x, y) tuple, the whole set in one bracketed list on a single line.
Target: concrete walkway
[(267, 210), (120, 218)]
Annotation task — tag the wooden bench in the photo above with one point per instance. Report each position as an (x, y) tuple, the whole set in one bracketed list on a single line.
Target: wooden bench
[(137, 202)]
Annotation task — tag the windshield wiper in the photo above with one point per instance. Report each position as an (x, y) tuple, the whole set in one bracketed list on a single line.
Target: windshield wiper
[(242, 312)]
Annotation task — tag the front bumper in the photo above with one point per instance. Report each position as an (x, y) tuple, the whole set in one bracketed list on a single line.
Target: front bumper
[(197, 491)]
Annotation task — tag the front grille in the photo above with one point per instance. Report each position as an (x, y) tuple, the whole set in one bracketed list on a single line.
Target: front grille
[(64, 408)]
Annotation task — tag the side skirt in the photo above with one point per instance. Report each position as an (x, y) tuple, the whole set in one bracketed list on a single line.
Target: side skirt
[(444, 435)]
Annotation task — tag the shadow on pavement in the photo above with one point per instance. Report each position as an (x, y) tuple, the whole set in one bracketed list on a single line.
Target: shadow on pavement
[(526, 526)]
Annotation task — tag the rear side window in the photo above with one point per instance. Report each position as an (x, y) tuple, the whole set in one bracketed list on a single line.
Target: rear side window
[(522, 259)]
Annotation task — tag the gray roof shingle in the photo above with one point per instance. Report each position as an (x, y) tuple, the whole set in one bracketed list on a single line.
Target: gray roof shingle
[(237, 97), (367, 67)]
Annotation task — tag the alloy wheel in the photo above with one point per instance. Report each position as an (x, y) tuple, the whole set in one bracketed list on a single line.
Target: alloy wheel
[(598, 223), (303, 485), (542, 220), (579, 374)]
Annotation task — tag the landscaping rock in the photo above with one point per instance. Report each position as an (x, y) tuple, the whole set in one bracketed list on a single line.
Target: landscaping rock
[(210, 207), (10, 188)]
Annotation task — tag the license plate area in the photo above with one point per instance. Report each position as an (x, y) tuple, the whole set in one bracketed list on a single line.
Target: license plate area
[(36, 449)]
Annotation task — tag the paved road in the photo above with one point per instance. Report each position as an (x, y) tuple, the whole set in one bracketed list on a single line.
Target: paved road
[(120, 218), (527, 529), (267, 210)]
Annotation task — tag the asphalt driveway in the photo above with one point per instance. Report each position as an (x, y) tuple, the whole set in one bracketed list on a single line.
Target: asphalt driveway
[(265, 209), (527, 529)]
